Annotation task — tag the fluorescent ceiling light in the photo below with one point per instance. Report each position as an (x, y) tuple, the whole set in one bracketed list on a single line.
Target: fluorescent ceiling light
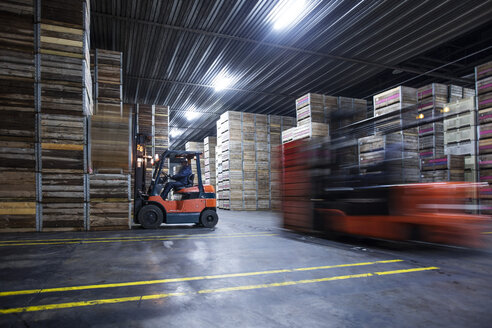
[(287, 12), (222, 82), (191, 115), (175, 133)]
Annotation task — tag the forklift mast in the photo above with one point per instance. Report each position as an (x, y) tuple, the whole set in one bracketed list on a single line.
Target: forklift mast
[(140, 169)]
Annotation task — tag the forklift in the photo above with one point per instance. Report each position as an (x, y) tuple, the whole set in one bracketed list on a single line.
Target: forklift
[(192, 204)]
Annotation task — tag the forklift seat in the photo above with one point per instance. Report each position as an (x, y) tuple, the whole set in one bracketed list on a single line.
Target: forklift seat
[(191, 178)]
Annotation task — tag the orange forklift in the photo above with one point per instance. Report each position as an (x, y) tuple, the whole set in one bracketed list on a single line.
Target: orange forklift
[(192, 203)]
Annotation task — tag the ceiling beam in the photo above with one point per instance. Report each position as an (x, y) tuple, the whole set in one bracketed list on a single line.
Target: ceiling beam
[(282, 47)]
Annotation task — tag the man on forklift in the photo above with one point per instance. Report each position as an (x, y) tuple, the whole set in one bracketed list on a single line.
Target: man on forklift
[(180, 179)]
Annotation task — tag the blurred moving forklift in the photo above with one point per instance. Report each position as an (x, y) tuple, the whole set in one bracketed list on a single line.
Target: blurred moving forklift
[(191, 204), (325, 192)]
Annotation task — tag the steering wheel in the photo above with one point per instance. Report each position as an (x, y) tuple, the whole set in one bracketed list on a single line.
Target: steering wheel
[(163, 178)]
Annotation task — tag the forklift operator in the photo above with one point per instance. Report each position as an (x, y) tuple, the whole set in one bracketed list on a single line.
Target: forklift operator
[(181, 179)]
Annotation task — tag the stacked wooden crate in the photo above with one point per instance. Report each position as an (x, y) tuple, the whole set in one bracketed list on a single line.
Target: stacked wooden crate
[(18, 118), (460, 133), (197, 146), (444, 168), (218, 168), (483, 76), (245, 169), (455, 92), (431, 101), (110, 193), (400, 102), (276, 125), (65, 100), (209, 145), (395, 153)]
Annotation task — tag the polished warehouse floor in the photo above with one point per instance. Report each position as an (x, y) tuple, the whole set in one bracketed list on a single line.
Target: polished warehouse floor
[(248, 272)]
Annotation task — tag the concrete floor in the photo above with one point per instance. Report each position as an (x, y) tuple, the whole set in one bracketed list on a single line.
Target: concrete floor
[(248, 272)]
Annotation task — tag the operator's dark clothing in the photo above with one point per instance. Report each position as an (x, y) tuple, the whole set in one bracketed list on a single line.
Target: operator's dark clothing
[(181, 180)]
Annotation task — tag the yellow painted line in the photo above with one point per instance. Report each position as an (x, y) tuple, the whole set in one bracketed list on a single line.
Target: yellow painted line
[(163, 281), (281, 284), (82, 242), (404, 271), (487, 233), (88, 303), (203, 291), (129, 237)]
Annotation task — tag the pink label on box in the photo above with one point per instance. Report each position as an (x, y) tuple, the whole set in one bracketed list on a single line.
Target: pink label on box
[(485, 102), (420, 94), (426, 130), (438, 160), (485, 86), (485, 71), (387, 98), (485, 132)]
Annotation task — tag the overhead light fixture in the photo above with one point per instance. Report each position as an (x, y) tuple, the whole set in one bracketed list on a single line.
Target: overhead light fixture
[(222, 82), (191, 115), (175, 132), (286, 13)]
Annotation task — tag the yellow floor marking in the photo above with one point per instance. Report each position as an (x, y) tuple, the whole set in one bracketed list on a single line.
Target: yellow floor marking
[(203, 291), (163, 281), (88, 303), (133, 240), (405, 271), (487, 233), (128, 237)]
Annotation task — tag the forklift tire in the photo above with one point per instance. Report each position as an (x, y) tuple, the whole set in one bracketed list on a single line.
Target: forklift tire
[(150, 217), (209, 218)]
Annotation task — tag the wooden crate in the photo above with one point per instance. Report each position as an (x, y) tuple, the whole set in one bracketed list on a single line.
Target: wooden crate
[(455, 92), (401, 95), (434, 95), (449, 162)]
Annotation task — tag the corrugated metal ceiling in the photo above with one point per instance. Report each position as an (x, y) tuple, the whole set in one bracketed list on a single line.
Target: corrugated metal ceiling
[(174, 50)]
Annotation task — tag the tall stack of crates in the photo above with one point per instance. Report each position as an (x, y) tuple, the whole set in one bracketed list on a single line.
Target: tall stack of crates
[(431, 102), (245, 160), (153, 121), (276, 125), (209, 145), (400, 104), (19, 118), (483, 77), (443, 168), (460, 133), (110, 192), (218, 167), (197, 146), (64, 90)]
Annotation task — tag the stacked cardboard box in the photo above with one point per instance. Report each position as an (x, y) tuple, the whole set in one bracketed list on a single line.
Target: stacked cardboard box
[(197, 146), (395, 153), (110, 193), (446, 168), (483, 76), (18, 118), (431, 101), (209, 145), (460, 133), (65, 89), (400, 102)]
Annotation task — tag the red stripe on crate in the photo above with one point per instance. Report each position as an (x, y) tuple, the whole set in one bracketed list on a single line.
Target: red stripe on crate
[(485, 102), (438, 160), (485, 86), (427, 153), (485, 162), (485, 132), (425, 105), (486, 189), (483, 72), (425, 92), (387, 98), (485, 147), (426, 130), (485, 117)]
